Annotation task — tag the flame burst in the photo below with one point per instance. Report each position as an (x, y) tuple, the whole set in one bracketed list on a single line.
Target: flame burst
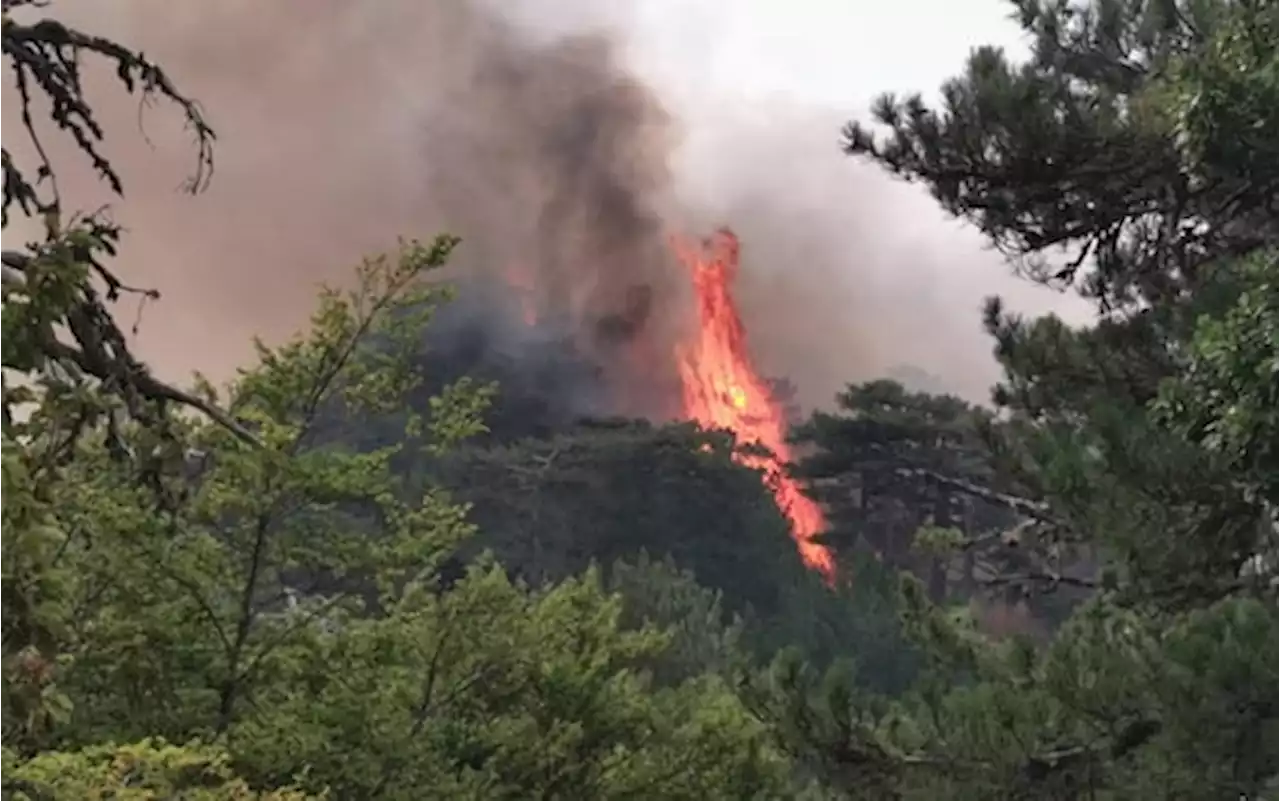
[(722, 390)]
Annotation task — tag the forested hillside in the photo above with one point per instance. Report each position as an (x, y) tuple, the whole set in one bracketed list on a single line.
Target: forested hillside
[(393, 559)]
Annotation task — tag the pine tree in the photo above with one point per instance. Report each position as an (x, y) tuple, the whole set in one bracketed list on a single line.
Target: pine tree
[(1131, 157)]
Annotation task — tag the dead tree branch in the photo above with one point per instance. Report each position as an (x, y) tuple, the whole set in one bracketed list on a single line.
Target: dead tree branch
[(47, 57)]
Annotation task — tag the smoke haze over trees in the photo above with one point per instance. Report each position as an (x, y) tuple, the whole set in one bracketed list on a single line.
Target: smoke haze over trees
[(420, 123)]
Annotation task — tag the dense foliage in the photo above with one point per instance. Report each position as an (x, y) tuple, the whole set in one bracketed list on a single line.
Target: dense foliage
[(1139, 138)]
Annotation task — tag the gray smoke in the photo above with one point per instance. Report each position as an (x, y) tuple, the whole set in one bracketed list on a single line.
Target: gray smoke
[(343, 125)]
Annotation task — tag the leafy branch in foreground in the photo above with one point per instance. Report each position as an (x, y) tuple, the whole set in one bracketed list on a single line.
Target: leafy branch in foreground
[(63, 283)]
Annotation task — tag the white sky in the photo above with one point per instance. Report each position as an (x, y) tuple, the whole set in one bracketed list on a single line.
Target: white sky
[(826, 52), (823, 51), (762, 59), (777, 78)]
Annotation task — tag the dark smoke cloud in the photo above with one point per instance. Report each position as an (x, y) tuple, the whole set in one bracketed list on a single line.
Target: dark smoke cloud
[(568, 157), (344, 124)]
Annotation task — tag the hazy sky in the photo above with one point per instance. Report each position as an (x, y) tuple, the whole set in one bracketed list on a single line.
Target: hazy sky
[(838, 54), (851, 273), (823, 52), (833, 59)]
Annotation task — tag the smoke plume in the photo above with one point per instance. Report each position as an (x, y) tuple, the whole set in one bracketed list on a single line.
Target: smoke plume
[(343, 125)]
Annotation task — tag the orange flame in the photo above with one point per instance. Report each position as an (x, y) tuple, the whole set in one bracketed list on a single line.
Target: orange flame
[(722, 390)]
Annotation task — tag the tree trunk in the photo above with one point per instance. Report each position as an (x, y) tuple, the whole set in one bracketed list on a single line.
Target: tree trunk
[(937, 582)]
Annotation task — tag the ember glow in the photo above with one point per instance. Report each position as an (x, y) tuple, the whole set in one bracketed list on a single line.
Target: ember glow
[(721, 388)]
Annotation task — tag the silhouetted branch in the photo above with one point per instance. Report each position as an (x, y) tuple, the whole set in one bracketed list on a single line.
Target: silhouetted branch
[(47, 57), (100, 352)]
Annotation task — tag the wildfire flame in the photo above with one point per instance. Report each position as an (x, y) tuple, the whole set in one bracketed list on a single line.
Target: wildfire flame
[(719, 386), (721, 389)]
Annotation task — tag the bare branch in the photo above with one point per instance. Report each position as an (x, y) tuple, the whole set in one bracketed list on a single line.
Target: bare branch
[(1034, 509), (1052, 579), (48, 55)]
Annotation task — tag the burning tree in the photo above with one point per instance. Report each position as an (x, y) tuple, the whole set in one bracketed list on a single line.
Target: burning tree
[(717, 384), (723, 390)]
